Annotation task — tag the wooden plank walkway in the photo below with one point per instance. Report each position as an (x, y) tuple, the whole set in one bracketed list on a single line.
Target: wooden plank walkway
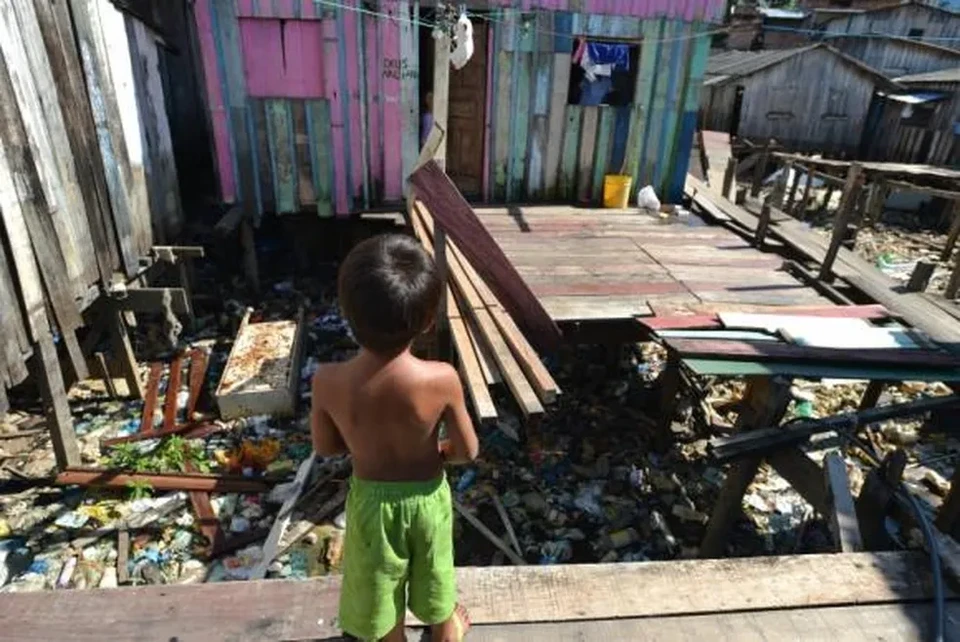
[(839, 596), (612, 264)]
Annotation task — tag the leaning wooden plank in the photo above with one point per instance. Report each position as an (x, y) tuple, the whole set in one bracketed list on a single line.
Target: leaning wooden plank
[(472, 372), (486, 532), (62, 435), (513, 375), (476, 386), (446, 203), (767, 351), (843, 516), (471, 288), (36, 213), (601, 308), (172, 394), (150, 399), (181, 481), (487, 365), (283, 518)]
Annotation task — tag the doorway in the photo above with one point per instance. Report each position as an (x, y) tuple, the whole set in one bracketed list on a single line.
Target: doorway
[(466, 111)]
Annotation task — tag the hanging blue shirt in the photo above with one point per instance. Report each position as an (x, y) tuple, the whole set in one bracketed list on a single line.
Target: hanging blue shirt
[(605, 53)]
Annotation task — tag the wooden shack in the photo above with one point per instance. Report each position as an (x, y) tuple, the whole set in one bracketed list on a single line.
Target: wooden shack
[(317, 106), (921, 124), (811, 98), (911, 19), (895, 56), (88, 182)]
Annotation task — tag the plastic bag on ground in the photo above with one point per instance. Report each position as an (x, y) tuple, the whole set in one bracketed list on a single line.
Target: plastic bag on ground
[(647, 199)]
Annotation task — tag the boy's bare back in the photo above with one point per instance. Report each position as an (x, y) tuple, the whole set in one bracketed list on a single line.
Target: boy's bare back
[(386, 414)]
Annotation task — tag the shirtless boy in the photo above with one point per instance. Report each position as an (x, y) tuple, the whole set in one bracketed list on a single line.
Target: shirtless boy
[(384, 407)]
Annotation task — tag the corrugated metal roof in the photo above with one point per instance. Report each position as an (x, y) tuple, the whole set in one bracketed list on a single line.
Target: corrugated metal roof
[(728, 64), (944, 75)]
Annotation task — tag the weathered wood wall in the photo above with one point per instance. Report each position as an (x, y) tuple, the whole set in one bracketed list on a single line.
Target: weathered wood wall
[(79, 167), (936, 24), (894, 57), (938, 143), (341, 135), (814, 101)]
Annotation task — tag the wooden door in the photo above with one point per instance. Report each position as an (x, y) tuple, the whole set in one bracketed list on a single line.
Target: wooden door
[(465, 118)]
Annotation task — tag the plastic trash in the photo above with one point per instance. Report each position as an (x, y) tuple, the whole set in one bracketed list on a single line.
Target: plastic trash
[(647, 199), (466, 480)]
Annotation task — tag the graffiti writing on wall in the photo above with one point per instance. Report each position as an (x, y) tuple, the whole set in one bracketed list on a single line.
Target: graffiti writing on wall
[(399, 68)]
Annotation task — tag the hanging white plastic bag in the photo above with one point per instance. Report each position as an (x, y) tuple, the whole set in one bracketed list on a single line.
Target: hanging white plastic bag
[(647, 199), (463, 42)]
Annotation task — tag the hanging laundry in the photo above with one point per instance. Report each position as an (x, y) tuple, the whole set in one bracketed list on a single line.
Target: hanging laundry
[(592, 70), (463, 41), (605, 53), (578, 50), (593, 93)]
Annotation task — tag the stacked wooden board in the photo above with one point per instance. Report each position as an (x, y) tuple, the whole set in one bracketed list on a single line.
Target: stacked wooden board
[(489, 346)]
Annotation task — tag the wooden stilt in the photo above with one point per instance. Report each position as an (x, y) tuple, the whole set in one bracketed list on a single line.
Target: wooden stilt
[(804, 475), (759, 170), (59, 421), (872, 394), (106, 376), (842, 219), (123, 351), (250, 269), (763, 223), (874, 500), (78, 363), (920, 277), (729, 178), (954, 233), (950, 292), (669, 388), (765, 402), (842, 516)]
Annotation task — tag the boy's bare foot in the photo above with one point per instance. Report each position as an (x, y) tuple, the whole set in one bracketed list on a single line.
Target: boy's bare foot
[(454, 629)]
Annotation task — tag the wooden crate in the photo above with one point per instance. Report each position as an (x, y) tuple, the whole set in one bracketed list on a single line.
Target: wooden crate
[(263, 370)]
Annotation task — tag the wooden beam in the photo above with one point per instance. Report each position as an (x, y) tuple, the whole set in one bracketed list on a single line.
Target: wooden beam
[(106, 376), (804, 475), (765, 401), (62, 435), (842, 219), (800, 210), (842, 515), (123, 350), (441, 90), (172, 394), (931, 191), (486, 532), (151, 300), (182, 481), (178, 251), (872, 395)]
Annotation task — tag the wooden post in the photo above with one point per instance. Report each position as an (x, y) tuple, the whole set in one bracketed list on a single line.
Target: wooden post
[(843, 515), (741, 196), (826, 198), (123, 350), (250, 269), (62, 436), (729, 177), (847, 203), (954, 233), (920, 277), (765, 402), (441, 92), (794, 185), (872, 394), (669, 385), (874, 500), (954, 283), (948, 517), (763, 223), (805, 199), (760, 169), (105, 374)]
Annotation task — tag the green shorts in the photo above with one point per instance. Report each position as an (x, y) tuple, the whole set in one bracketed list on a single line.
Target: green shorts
[(398, 552)]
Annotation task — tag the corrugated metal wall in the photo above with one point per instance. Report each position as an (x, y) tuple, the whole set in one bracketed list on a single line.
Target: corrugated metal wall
[(346, 145), (894, 58)]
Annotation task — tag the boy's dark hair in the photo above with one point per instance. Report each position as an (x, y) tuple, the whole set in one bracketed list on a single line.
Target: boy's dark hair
[(389, 290)]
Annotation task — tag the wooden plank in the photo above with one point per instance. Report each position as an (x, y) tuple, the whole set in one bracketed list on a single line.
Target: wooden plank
[(150, 399), (172, 393), (520, 124), (282, 154), (106, 117), (588, 145), (601, 157), (56, 29), (62, 436), (567, 181), (102, 478), (453, 213), (487, 365), (261, 148), (538, 375), (486, 532), (804, 475), (318, 128), (283, 517), (721, 593), (123, 350), (304, 163), (470, 370), (843, 516), (503, 141), (556, 120), (740, 350), (35, 210)]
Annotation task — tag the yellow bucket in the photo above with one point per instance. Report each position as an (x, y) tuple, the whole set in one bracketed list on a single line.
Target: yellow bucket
[(616, 190)]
